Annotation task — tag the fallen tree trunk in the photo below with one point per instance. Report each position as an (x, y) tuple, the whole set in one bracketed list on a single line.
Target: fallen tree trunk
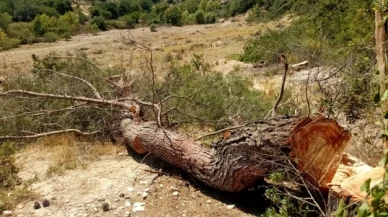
[(235, 162)]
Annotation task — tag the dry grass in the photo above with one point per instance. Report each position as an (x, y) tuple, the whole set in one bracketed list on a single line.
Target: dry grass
[(64, 152), (10, 199)]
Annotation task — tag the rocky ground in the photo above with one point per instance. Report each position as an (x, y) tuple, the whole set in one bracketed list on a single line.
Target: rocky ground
[(124, 186)]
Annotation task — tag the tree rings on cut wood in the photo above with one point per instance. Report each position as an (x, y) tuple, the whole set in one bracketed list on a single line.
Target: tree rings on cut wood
[(317, 146)]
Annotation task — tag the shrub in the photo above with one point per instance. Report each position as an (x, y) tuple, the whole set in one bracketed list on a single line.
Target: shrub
[(100, 23), (231, 96), (51, 37), (210, 18), (200, 17), (8, 170), (6, 42), (129, 21), (173, 16), (81, 17), (5, 20), (43, 24), (23, 32), (153, 28), (68, 23)]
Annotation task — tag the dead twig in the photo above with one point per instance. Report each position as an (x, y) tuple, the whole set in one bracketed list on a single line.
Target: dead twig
[(284, 60), (66, 97), (38, 135), (95, 92)]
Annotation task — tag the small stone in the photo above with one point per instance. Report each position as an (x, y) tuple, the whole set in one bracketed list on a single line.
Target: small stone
[(116, 200), (127, 214), (36, 205), (68, 201), (173, 189), (175, 193), (130, 189), (144, 195), (138, 209), (122, 195), (121, 207), (105, 207), (208, 201), (147, 190), (20, 206), (53, 198), (7, 213), (143, 182), (46, 203), (230, 206), (127, 204)]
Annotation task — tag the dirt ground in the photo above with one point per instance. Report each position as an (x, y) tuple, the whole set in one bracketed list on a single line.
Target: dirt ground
[(132, 185), (110, 48)]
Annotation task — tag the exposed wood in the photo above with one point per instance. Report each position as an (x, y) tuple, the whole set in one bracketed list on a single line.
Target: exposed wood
[(236, 161), (318, 145)]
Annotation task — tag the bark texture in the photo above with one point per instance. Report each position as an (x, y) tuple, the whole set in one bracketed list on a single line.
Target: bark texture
[(234, 162)]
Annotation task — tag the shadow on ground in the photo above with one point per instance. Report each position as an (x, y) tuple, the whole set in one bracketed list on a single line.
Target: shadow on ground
[(251, 201)]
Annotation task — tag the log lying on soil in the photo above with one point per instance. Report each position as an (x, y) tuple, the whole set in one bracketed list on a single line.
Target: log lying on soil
[(243, 156)]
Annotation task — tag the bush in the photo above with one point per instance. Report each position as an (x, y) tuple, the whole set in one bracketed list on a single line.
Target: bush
[(271, 44), (200, 17), (153, 28), (51, 37), (231, 96), (129, 21), (68, 24), (8, 43), (83, 19), (43, 24), (173, 16), (23, 32), (100, 23), (8, 170), (5, 20)]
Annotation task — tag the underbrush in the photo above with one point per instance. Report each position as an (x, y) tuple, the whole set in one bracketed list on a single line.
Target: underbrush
[(206, 97)]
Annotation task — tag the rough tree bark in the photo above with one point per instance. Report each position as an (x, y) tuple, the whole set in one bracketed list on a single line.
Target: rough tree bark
[(243, 156)]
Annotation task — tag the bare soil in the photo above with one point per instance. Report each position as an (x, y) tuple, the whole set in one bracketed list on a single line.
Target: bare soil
[(110, 48)]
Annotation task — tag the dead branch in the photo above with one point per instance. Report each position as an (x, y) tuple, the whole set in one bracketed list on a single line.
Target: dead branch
[(182, 113), (38, 135), (66, 97), (221, 131), (284, 60), (42, 112), (95, 92)]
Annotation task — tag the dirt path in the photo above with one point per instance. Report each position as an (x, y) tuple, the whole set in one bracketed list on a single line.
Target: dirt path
[(214, 41)]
